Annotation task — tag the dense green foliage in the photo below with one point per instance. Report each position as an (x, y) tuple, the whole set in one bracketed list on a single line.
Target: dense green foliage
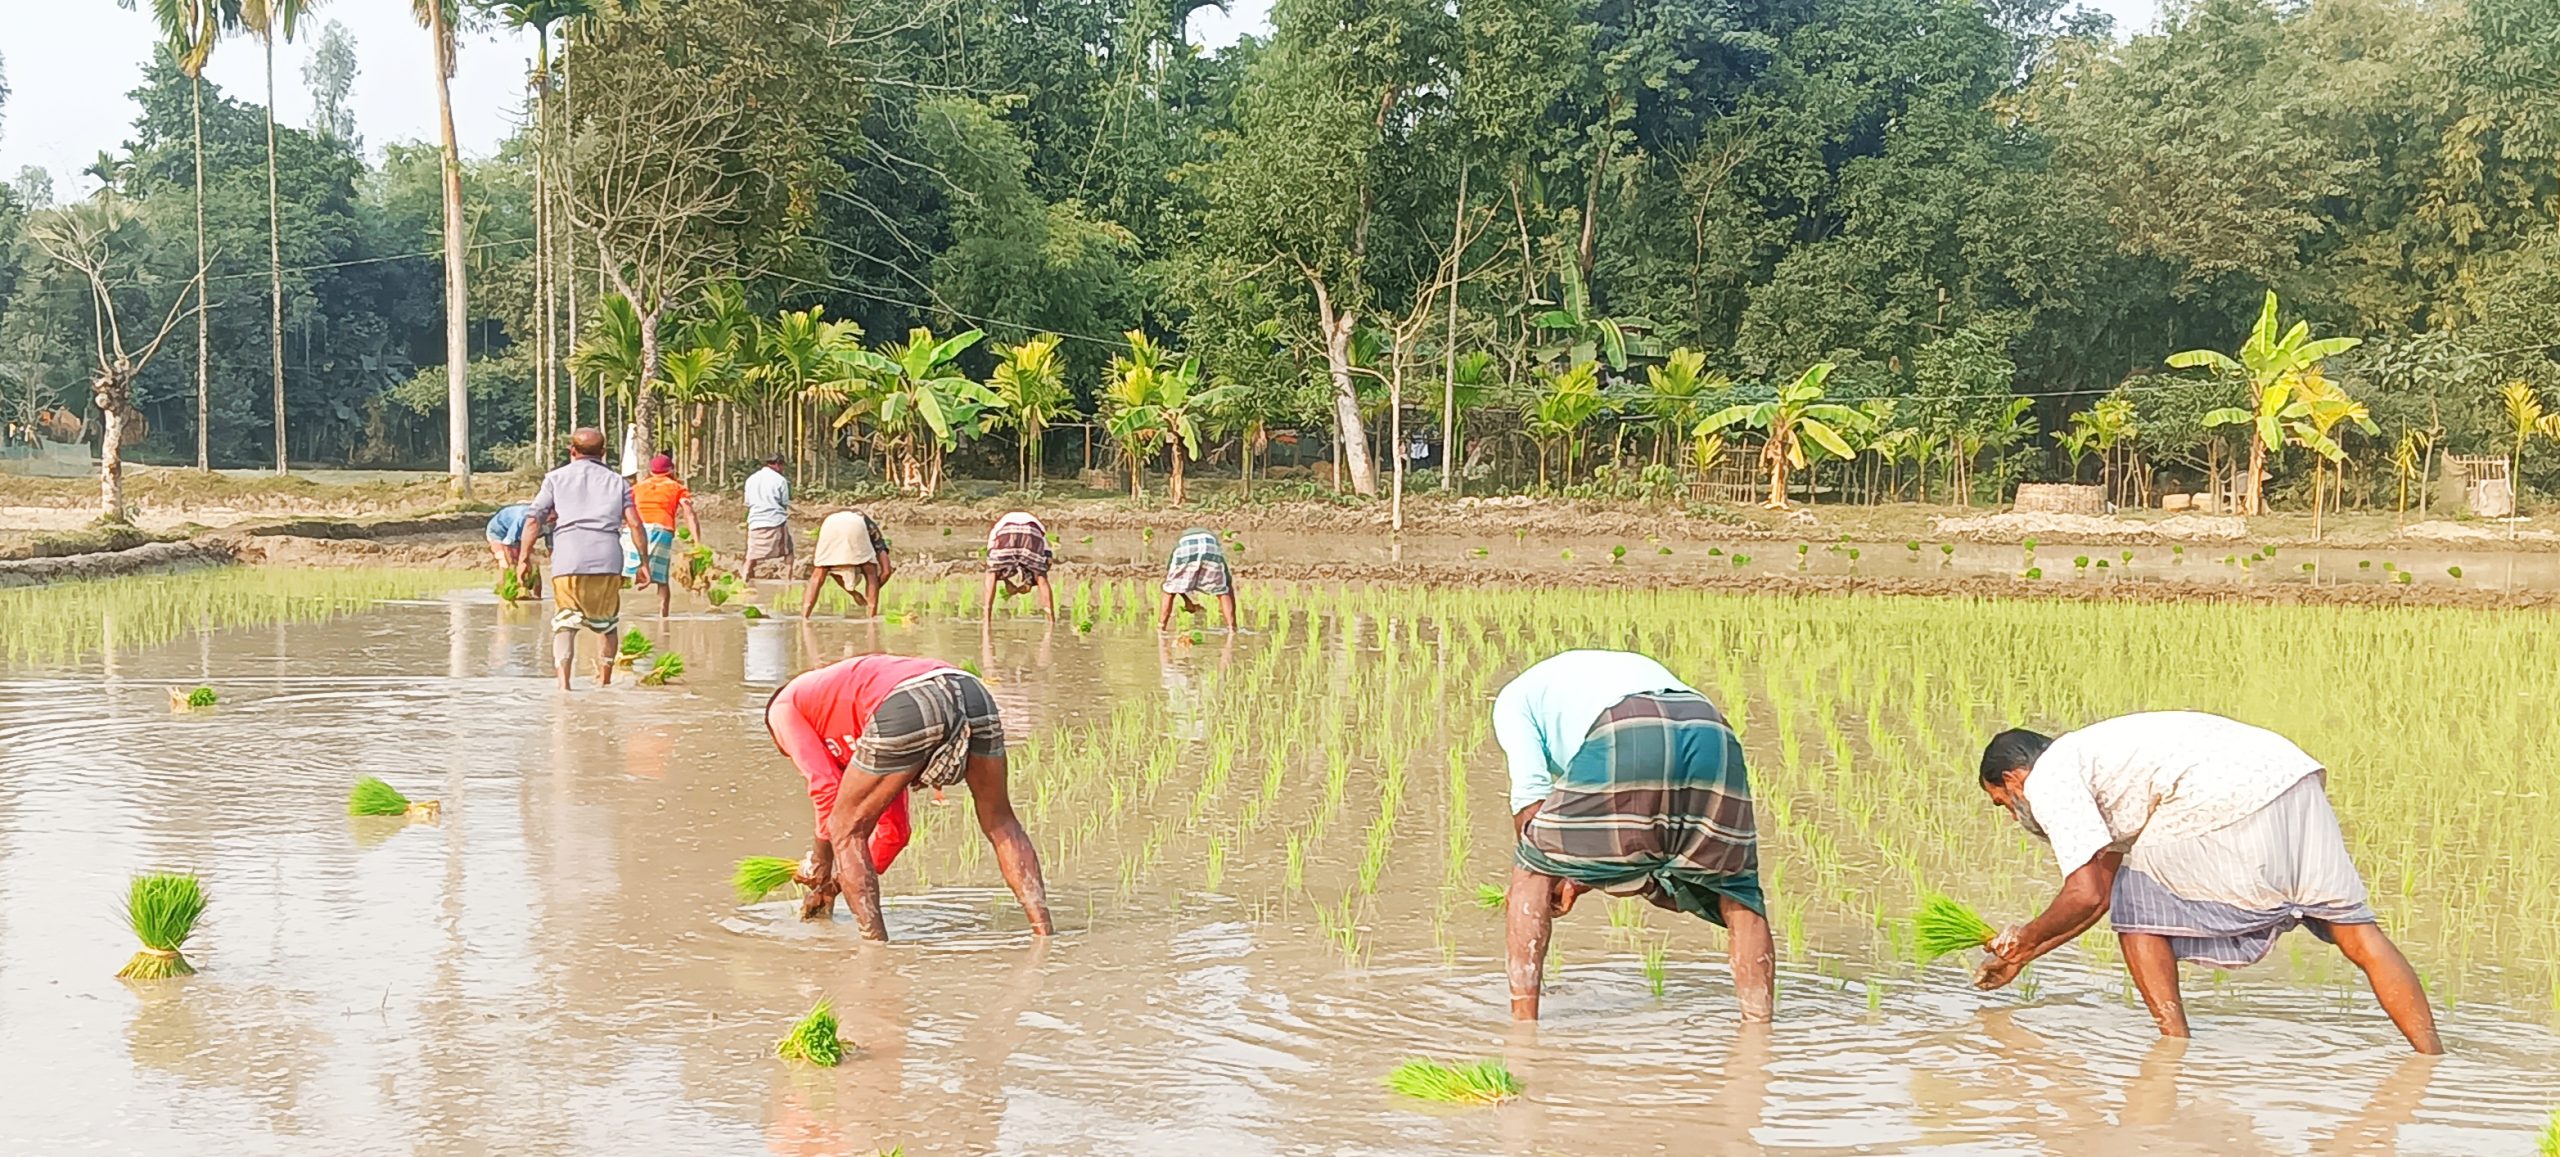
[(1988, 218)]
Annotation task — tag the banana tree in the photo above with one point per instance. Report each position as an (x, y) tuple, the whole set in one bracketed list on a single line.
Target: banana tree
[(1133, 413), (1181, 403), (2320, 407), (2267, 360), (1571, 400), (921, 408), (1796, 416), (1572, 333), (1031, 393)]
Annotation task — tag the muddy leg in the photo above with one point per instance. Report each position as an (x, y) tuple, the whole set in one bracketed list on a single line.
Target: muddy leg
[(1754, 955), (860, 802), (1531, 906), (1015, 857), (2155, 976), (2395, 984)]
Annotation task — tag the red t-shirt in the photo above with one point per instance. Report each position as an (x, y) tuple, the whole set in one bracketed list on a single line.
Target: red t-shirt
[(838, 700)]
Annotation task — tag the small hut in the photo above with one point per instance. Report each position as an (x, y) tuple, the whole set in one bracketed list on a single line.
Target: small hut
[(2481, 487)]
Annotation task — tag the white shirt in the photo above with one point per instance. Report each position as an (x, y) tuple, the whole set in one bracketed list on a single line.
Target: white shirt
[(2162, 774), (1543, 715), (768, 499)]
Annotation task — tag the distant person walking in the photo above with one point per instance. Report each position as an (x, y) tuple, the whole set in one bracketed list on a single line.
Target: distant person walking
[(661, 500), (2200, 839), (591, 510), (1018, 560), (506, 530), (1625, 780), (1199, 567), (864, 732), (768, 496), (849, 542)]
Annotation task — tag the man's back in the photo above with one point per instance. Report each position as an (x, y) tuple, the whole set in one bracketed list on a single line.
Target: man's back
[(768, 496), (589, 501)]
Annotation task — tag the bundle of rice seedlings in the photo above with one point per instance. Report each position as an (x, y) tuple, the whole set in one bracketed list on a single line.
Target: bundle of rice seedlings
[(751, 611), (509, 587), (2551, 1135), (635, 645), (191, 700), (162, 911), (813, 1039), (666, 668), (372, 797), (1944, 925), (759, 876), (1480, 1083), (1491, 896)]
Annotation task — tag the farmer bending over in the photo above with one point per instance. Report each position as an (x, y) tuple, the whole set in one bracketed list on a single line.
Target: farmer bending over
[(2201, 838), (661, 500), (1018, 559), (865, 731), (849, 542), (590, 508), (1199, 567), (1625, 780), (506, 530)]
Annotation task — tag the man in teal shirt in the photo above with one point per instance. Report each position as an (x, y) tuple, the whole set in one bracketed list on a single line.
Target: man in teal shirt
[(1626, 780)]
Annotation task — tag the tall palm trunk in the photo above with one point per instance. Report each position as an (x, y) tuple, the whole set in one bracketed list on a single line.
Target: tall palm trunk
[(275, 258), (457, 288), (545, 382), (204, 340)]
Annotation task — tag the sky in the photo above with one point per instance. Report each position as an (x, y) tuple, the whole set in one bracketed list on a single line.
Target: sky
[(70, 63)]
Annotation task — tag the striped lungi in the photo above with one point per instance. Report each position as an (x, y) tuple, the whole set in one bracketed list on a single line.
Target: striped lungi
[(928, 726), (1018, 550), (2223, 897), (1199, 566), (1656, 802)]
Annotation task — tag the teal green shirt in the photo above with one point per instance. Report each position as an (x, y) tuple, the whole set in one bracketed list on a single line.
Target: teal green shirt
[(1541, 717)]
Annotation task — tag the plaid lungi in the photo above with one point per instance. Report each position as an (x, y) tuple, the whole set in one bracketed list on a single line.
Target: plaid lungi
[(928, 726), (662, 553), (1199, 566), (1018, 550), (1656, 802)]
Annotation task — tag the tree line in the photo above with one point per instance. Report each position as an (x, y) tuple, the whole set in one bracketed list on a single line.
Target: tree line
[(1870, 249)]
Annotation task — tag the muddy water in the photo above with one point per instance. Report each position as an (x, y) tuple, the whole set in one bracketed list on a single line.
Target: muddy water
[(558, 966)]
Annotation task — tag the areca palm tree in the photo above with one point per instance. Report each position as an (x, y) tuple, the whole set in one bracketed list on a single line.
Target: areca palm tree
[(1031, 392), (1571, 400), (610, 349), (2321, 407), (189, 29), (2267, 360), (540, 15), (438, 17), (1796, 416), (266, 20), (1674, 392)]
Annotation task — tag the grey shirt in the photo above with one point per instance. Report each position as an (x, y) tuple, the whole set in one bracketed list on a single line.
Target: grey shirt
[(589, 500)]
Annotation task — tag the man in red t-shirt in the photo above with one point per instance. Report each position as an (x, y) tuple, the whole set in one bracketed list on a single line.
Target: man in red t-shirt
[(889, 723)]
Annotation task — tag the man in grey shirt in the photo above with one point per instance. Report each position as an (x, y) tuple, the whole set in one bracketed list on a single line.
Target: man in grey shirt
[(590, 509)]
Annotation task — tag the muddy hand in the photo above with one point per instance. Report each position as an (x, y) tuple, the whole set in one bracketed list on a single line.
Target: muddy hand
[(2001, 964)]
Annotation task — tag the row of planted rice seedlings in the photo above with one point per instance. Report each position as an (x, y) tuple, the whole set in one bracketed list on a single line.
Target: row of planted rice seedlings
[(68, 622)]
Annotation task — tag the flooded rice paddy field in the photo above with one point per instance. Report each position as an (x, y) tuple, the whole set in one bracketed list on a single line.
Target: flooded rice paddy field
[(1263, 854)]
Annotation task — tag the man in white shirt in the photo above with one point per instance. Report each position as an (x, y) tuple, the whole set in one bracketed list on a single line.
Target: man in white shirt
[(768, 517), (2204, 839)]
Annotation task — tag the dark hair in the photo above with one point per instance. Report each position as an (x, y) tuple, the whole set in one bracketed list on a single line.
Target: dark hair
[(774, 459), (2010, 750)]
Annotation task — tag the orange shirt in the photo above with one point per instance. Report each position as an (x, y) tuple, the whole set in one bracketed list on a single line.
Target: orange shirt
[(657, 496)]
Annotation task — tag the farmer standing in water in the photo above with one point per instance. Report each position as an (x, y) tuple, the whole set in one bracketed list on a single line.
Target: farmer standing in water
[(589, 508), (2201, 838), (661, 500), (865, 731), (1199, 567), (1626, 780), (1018, 560)]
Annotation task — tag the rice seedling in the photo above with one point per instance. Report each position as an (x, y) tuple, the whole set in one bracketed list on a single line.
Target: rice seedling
[(2307, 568), (1944, 925), (635, 645), (1653, 968), (373, 797), (508, 587), (1662, 550), (1491, 896), (1715, 552), (2127, 557), (2401, 578), (2454, 571), (2035, 572), (757, 877), (162, 909), (2364, 564), (814, 1038), (1618, 554), (1913, 546), (2080, 562), (751, 611), (2549, 1141), (197, 699), (1477, 1083), (1742, 560), (666, 667), (1567, 555), (1947, 550)]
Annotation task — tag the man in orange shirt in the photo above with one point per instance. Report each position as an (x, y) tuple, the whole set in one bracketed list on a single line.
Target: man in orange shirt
[(660, 499)]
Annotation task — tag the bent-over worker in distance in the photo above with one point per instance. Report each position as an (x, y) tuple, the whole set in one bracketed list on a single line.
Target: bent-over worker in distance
[(1199, 567), (865, 731), (849, 541), (589, 508), (1626, 780), (1018, 558), (506, 530), (2201, 838), (661, 500)]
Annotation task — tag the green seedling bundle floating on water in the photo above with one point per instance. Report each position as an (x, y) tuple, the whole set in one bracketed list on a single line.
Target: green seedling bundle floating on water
[(1944, 925), (813, 1039), (197, 699), (635, 645), (1479, 1083), (162, 910), (760, 876), (372, 797), (665, 668)]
